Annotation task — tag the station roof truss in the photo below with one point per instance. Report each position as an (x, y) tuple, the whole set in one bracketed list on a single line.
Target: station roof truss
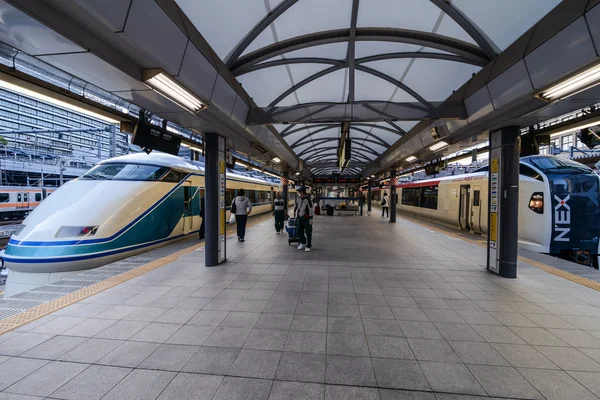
[(383, 65)]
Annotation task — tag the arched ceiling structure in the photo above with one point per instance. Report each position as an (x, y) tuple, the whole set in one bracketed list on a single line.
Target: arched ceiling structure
[(299, 52)]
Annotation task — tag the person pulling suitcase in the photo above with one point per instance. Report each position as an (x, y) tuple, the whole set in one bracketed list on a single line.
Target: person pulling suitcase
[(304, 212)]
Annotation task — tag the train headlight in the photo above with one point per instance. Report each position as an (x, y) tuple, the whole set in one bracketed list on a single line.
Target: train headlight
[(76, 231), (536, 203)]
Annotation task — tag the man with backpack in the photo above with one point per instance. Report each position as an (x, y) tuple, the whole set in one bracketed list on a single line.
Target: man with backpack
[(304, 213), (241, 208)]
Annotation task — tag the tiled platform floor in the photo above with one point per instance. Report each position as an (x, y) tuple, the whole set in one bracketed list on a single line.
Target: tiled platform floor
[(375, 311)]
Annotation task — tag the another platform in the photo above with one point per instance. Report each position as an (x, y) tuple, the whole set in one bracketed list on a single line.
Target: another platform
[(375, 311)]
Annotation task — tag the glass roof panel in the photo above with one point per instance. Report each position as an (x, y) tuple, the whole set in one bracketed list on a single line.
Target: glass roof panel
[(435, 80), (388, 137), (419, 15), (328, 88), (309, 16), (450, 28), (394, 68), (370, 87), (401, 96), (266, 84), (505, 21), (333, 132), (366, 49), (303, 71), (240, 17), (274, 3)]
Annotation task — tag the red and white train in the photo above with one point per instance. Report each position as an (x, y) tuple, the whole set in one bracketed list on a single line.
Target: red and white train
[(559, 205)]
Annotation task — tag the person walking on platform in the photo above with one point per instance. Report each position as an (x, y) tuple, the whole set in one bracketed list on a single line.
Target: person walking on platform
[(385, 205), (304, 212), (279, 212), (241, 207)]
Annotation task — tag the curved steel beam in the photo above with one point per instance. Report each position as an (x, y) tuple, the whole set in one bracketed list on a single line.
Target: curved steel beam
[(395, 129), (379, 57), (393, 81), (416, 54), (317, 156), (484, 42), (366, 132), (311, 134), (305, 127), (305, 82), (362, 68), (427, 39), (317, 142), (263, 24), (363, 148), (287, 61), (377, 140)]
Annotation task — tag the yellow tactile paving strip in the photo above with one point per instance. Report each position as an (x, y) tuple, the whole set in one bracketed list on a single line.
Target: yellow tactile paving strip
[(483, 243), (42, 310)]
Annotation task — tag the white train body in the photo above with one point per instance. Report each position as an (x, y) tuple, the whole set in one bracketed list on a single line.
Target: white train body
[(124, 206), (461, 201)]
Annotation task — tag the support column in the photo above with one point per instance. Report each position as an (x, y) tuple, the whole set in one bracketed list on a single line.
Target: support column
[(369, 195), (393, 197), (503, 207), (214, 200), (285, 182)]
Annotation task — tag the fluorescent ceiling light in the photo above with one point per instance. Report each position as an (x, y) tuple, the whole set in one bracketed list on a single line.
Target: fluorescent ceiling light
[(578, 83), (240, 164), (297, 173), (56, 102), (411, 158), (438, 146), (172, 90), (276, 160), (257, 169)]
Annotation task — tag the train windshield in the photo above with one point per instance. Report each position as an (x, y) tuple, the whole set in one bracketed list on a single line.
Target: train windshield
[(126, 172), (549, 165)]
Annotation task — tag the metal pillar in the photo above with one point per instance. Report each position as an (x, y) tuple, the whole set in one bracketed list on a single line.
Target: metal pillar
[(369, 195), (285, 182), (360, 201), (113, 140), (214, 200), (503, 207), (393, 197)]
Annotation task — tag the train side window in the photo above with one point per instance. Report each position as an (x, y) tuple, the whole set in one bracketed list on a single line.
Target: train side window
[(4, 198), (25, 197), (19, 198), (173, 176), (38, 197), (476, 198), (429, 197), (528, 171), (410, 196)]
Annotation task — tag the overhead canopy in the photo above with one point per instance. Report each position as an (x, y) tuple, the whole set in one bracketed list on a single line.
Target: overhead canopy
[(315, 63)]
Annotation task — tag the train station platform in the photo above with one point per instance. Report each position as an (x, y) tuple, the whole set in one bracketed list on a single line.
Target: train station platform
[(375, 311)]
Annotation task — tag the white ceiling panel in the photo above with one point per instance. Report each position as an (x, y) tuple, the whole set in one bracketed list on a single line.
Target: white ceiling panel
[(505, 21), (328, 88), (394, 68), (223, 23), (418, 15), (435, 80), (369, 87), (266, 84), (451, 29), (307, 16)]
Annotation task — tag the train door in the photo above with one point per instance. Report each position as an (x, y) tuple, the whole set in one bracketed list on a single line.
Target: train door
[(476, 209), (187, 207), (22, 200), (464, 215)]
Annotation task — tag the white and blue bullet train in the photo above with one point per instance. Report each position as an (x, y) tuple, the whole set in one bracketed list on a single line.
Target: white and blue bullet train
[(559, 205), (123, 206)]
